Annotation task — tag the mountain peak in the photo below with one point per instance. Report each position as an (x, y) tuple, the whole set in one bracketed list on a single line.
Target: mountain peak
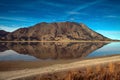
[(56, 31)]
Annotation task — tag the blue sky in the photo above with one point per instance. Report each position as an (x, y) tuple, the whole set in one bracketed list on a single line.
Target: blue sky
[(102, 16)]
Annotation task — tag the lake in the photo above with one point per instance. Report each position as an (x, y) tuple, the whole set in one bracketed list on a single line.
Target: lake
[(45, 51)]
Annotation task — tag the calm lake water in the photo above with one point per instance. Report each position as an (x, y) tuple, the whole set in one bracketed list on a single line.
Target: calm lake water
[(56, 51)]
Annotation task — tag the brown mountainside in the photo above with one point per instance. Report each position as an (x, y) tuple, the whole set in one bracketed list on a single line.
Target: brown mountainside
[(55, 32), (3, 35)]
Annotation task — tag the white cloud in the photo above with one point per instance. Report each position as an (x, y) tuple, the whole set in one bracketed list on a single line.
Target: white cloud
[(16, 11), (87, 5), (52, 4), (112, 16), (76, 13), (8, 28), (72, 12), (110, 34), (72, 19), (84, 6), (16, 19)]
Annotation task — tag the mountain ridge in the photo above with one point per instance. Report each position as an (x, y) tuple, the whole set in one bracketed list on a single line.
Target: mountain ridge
[(56, 31)]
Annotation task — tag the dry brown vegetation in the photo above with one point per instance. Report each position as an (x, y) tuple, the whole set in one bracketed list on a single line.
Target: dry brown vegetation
[(105, 68), (109, 71)]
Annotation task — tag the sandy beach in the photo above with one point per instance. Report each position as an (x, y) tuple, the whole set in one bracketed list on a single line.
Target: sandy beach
[(15, 74)]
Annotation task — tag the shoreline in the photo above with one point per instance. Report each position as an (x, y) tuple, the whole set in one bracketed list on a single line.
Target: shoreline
[(9, 75), (12, 65)]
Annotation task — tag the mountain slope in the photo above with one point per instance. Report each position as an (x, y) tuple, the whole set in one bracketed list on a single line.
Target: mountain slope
[(56, 32), (3, 34)]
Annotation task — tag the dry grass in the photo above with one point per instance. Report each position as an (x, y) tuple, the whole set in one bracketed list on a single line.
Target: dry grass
[(109, 71), (106, 68)]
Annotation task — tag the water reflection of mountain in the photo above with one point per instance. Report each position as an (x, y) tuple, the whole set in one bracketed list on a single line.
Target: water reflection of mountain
[(53, 50)]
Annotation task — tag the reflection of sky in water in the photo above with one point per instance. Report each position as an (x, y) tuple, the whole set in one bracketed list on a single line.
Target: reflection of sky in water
[(12, 55), (110, 49)]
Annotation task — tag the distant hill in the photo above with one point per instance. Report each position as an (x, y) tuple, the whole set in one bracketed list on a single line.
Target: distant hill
[(57, 31), (3, 35)]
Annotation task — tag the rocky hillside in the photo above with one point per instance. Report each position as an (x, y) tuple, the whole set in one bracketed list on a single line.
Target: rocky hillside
[(55, 32), (3, 34)]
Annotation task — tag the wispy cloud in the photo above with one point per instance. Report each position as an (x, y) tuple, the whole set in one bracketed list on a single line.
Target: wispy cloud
[(110, 34), (112, 16), (15, 19), (81, 7), (9, 28), (72, 12), (52, 4), (76, 13), (72, 19), (87, 5), (16, 11)]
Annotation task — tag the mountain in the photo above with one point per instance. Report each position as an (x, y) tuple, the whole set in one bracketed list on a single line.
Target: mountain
[(57, 31), (3, 35)]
